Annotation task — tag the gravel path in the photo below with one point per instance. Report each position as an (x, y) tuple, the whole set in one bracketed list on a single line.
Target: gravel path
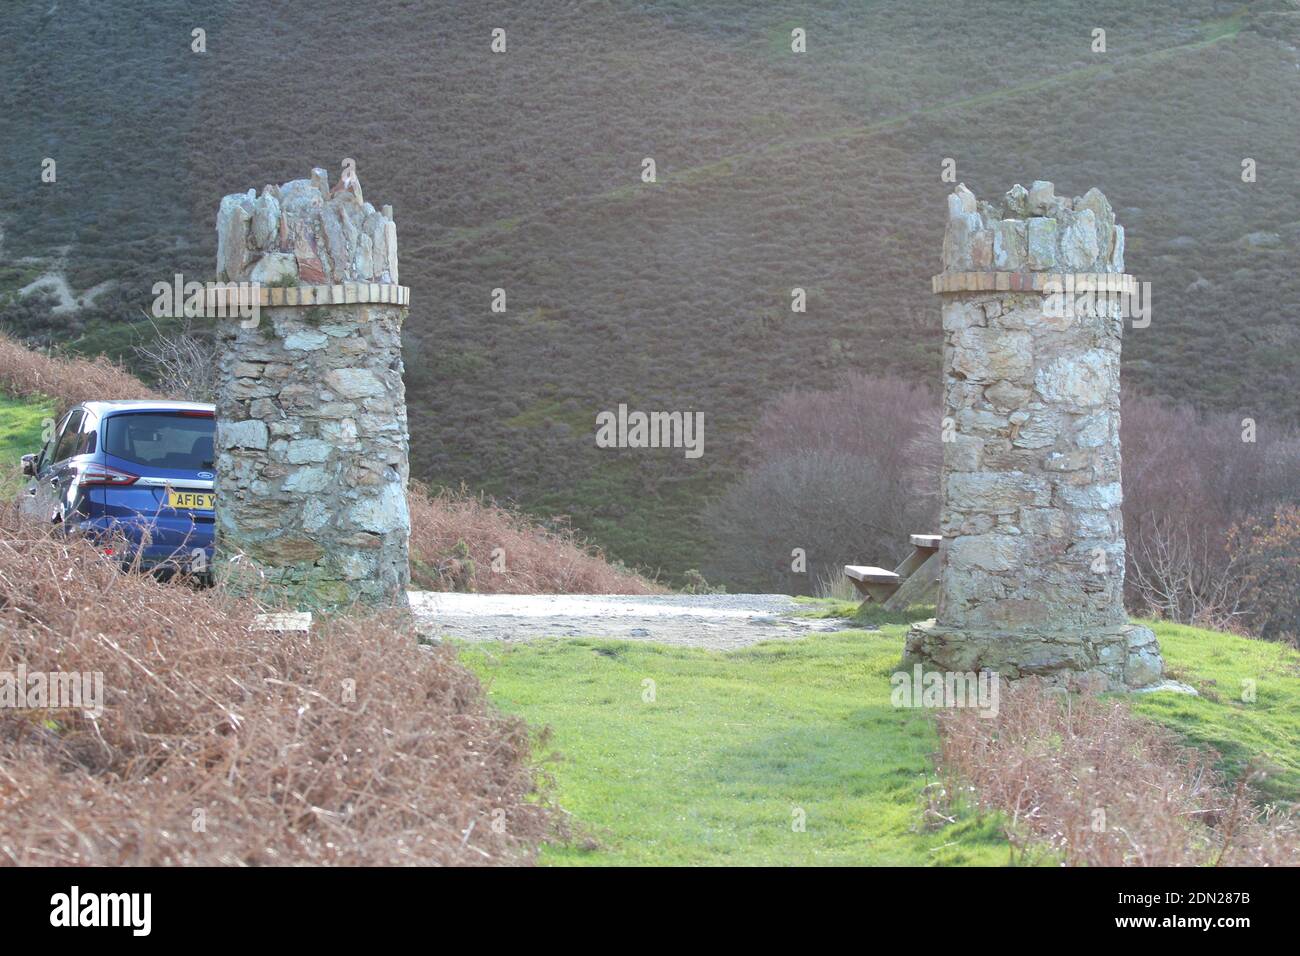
[(717, 621)]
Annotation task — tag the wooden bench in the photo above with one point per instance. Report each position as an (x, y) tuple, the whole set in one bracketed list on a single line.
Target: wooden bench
[(912, 582), (875, 583)]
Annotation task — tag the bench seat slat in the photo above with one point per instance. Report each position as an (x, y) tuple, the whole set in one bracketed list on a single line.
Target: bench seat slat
[(870, 575)]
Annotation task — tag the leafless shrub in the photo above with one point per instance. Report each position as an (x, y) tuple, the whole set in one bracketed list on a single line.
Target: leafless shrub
[(1178, 461), (1179, 575), (1102, 787), (830, 505), (1268, 547), (846, 475), (462, 542), (1188, 479), (222, 744), (872, 416), (183, 365)]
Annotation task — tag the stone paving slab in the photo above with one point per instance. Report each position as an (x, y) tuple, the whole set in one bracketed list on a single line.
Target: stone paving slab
[(716, 621)]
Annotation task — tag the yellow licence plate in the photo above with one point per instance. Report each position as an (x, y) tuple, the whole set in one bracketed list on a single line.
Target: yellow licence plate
[(191, 500)]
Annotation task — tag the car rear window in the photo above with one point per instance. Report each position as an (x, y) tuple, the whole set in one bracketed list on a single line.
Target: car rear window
[(161, 439)]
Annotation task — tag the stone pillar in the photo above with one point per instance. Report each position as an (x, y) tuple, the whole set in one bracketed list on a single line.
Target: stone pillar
[(312, 445), (1032, 578)]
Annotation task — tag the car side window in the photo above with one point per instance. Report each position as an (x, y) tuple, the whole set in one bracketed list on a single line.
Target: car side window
[(43, 456), (68, 435), (48, 452), (86, 440)]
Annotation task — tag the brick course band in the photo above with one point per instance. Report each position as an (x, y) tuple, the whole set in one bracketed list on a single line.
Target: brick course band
[(947, 282), (233, 296)]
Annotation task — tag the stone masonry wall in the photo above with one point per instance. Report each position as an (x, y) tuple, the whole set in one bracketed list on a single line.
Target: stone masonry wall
[(312, 437), (1032, 578)]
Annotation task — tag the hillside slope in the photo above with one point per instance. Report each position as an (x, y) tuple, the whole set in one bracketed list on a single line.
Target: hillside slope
[(521, 171)]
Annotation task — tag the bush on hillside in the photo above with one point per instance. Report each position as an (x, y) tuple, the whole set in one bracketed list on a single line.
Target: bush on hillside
[(845, 475), (1177, 571), (1189, 478), (835, 508), (1268, 550), (223, 744)]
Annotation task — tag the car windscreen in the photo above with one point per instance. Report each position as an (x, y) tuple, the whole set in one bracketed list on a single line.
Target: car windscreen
[(161, 439)]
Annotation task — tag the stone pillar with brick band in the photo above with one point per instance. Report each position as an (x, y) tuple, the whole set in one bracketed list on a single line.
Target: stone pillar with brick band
[(1032, 560), (311, 439)]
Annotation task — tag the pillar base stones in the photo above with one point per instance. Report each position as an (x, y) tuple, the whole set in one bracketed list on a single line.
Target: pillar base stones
[(1032, 566), (311, 442), (1123, 656)]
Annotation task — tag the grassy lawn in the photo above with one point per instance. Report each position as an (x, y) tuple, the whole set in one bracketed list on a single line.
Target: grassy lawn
[(712, 770), (21, 422), (1266, 729)]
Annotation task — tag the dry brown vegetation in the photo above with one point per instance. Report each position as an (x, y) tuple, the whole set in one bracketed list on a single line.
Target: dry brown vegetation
[(454, 535), (1101, 787), (27, 374), (350, 746)]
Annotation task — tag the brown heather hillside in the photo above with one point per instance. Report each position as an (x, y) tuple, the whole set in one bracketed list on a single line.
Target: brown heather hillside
[(479, 546), (820, 170)]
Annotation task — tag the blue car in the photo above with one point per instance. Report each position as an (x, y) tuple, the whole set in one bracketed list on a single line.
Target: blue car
[(134, 476)]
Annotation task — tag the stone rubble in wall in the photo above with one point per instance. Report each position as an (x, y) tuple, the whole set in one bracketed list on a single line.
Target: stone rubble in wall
[(313, 449), (1032, 230)]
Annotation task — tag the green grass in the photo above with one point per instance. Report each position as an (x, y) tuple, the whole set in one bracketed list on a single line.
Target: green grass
[(712, 770), (14, 276), (868, 615), (21, 424), (1266, 729)]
